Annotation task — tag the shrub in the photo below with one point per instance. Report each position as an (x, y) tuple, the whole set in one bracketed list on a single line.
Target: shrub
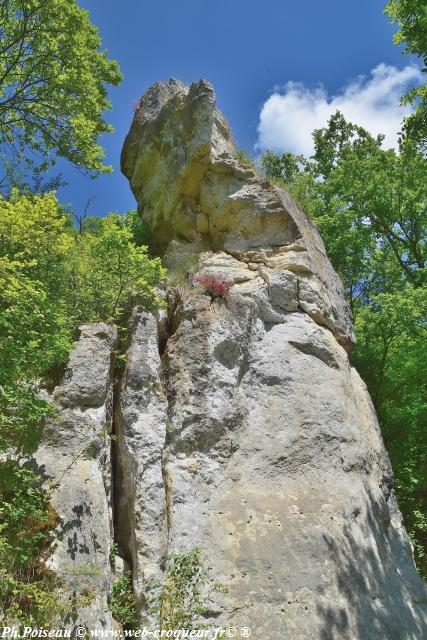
[(245, 160), (29, 592), (122, 602), (215, 286), (186, 593), (180, 259)]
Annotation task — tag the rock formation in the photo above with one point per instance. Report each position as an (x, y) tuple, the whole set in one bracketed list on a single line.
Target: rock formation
[(241, 427), (77, 456)]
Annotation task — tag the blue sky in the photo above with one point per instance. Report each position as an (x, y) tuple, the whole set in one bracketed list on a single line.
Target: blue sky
[(250, 50)]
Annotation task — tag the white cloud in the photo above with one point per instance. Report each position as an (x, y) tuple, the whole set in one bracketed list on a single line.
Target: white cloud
[(289, 115)]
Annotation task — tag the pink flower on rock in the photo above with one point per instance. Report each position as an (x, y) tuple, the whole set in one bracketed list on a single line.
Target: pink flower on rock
[(215, 286)]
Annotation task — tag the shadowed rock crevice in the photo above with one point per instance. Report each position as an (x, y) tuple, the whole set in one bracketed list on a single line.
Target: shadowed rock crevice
[(141, 432), (123, 523)]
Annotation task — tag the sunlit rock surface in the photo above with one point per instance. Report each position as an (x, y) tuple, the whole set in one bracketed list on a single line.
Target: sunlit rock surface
[(239, 424), (189, 184)]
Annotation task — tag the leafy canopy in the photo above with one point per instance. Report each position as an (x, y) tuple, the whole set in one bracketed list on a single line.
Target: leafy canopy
[(53, 80), (411, 16), (53, 277)]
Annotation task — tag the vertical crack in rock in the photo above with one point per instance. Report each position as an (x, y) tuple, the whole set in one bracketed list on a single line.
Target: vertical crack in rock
[(140, 422), (121, 525)]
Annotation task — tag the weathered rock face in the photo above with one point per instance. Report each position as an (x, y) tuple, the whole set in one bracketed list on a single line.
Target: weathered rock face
[(275, 466), (184, 172), (241, 426), (77, 460), (141, 419)]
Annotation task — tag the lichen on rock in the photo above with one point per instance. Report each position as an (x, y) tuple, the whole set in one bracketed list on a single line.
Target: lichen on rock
[(189, 183)]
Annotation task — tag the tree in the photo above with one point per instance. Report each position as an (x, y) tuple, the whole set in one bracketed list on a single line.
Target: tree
[(391, 356), (53, 80), (381, 193), (52, 278), (411, 16), (35, 334), (107, 269), (371, 208)]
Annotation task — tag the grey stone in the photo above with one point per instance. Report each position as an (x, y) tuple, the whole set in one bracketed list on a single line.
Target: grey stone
[(273, 461), (141, 419), (282, 287), (185, 173), (83, 385), (241, 426), (76, 462), (276, 468)]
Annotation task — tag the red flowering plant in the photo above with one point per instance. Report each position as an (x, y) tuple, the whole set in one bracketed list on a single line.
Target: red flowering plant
[(215, 286)]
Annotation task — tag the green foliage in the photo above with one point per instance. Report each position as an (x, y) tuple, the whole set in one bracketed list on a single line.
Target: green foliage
[(33, 337), (52, 278), (391, 356), (285, 167), (22, 173), (112, 553), (370, 206), (84, 570), (244, 159), (286, 172), (411, 16), (122, 602), (55, 277), (373, 200), (29, 593), (181, 260), (24, 500), (186, 592), (138, 228), (34, 329), (107, 268), (22, 414), (52, 82)]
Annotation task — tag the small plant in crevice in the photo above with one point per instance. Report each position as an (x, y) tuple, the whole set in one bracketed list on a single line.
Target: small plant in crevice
[(186, 593), (181, 259), (112, 554), (83, 570), (170, 390), (214, 286), (122, 602), (245, 160), (120, 360)]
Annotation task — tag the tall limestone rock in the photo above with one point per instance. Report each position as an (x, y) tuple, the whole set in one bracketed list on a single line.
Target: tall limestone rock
[(76, 458), (263, 448), (239, 425)]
